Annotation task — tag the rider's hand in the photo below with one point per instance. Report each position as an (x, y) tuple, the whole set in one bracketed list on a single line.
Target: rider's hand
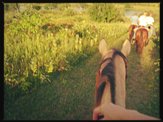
[(115, 112), (110, 111)]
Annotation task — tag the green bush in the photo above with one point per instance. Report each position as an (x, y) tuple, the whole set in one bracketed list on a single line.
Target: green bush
[(36, 7), (51, 6), (128, 5), (32, 52), (20, 37), (34, 47), (69, 12), (105, 13), (10, 6)]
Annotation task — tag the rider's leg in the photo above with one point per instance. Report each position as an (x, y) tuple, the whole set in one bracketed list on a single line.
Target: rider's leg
[(151, 31)]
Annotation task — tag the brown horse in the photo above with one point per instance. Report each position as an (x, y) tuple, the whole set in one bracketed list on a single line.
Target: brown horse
[(111, 76), (141, 39), (131, 32)]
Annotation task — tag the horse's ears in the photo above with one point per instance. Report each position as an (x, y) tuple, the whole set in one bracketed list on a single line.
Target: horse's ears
[(102, 46), (126, 48)]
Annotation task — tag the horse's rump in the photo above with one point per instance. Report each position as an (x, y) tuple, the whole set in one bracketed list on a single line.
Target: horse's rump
[(141, 39)]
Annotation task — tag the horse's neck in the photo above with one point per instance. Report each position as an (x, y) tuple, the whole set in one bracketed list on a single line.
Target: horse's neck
[(120, 77), (120, 89), (106, 97)]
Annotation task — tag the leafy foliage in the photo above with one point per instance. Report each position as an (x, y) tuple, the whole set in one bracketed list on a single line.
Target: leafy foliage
[(105, 13), (34, 47), (29, 51), (36, 7)]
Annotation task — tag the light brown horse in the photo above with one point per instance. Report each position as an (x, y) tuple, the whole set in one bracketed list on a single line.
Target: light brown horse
[(141, 39), (111, 76)]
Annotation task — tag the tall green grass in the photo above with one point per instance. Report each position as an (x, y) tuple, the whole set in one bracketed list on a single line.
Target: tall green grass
[(35, 46)]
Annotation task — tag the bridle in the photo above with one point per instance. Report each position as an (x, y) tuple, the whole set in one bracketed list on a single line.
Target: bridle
[(106, 74)]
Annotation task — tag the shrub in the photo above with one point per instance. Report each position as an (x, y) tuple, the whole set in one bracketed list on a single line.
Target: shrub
[(69, 12), (105, 13), (36, 7), (34, 47), (128, 5)]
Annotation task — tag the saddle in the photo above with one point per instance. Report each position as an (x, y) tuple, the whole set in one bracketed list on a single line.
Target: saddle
[(140, 27)]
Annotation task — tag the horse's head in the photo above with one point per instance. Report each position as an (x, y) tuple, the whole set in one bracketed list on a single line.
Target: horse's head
[(103, 47), (126, 48), (108, 89)]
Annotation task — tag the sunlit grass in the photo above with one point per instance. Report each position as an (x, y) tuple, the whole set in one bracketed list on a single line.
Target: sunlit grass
[(146, 59), (48, 43)]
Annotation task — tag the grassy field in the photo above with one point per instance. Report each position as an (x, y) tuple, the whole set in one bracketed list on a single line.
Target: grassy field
[(69, 94)]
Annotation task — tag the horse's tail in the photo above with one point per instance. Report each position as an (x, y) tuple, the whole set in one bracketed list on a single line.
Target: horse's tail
[(140, 40)]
